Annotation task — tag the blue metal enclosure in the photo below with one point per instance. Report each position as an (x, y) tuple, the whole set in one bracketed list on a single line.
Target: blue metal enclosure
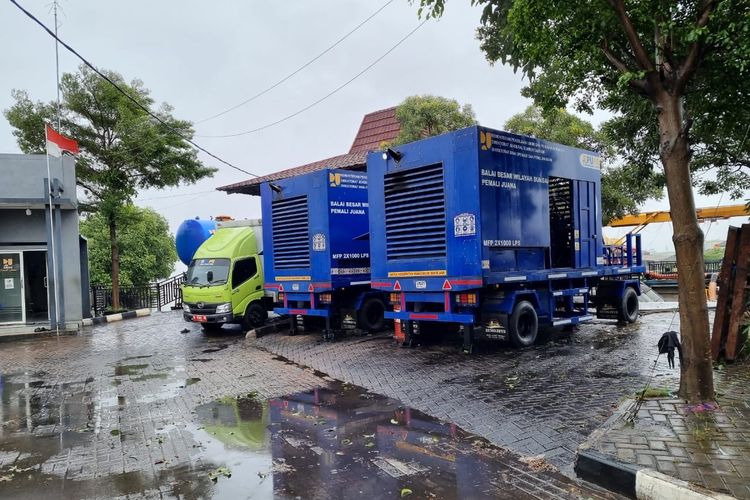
[(316, 246), (190, 236), (503, 216)]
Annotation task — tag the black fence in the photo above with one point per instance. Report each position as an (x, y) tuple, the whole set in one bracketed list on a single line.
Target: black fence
[(152, 296), (670, 266)]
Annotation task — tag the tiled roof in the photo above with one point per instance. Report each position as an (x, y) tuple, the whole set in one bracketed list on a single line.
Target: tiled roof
[(252, 186), (376, 128)]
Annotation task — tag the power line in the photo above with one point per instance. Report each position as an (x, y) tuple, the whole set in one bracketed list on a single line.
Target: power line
[(123, 92), (290, 75), (334, 91), (177, 195)]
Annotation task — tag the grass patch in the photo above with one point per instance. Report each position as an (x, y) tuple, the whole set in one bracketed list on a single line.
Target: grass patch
[(654, 392)]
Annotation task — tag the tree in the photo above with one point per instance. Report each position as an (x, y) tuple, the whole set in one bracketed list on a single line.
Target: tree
[(423, 116), (146, 246), (677, 73), (622, 190), (123, 149)]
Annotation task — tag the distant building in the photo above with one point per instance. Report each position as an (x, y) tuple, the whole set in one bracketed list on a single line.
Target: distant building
[(376, 128), (28, 257)]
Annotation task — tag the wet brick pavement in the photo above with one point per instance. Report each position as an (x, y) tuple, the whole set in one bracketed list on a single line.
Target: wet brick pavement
[(123, 409), (544, 400), (709, 448)]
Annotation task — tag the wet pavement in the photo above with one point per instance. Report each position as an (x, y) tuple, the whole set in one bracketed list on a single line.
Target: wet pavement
[(139, 409), (545, 400)]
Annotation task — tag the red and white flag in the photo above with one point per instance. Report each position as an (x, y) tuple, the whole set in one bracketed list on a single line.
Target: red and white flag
[(58, 143)]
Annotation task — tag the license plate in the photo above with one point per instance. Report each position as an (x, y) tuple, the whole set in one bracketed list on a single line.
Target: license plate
[(199, 318)]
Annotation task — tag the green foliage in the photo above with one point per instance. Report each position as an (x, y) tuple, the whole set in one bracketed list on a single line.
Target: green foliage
[(122, 148), (147, 250), (580, 52), (714, 254), (425, 116), (623, 189)]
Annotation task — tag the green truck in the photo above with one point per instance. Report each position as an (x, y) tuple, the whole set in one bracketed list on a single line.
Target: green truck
[(224, 282)]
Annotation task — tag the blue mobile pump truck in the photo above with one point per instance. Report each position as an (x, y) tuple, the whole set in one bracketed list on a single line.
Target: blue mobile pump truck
[(498, 233), (317, 251)]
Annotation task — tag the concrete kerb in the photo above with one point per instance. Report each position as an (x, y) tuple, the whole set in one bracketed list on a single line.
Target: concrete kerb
[(111, 318), (629, 479)]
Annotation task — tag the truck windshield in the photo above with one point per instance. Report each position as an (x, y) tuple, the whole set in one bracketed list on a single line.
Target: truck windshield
[(207, 272)]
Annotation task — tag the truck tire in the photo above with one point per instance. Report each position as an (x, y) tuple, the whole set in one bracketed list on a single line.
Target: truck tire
[(629, 306), (370, 316), (523, 324), (255, 316), (211, 327)]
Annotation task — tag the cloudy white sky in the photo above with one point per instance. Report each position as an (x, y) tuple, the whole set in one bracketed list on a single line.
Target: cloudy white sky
[(203, 59)]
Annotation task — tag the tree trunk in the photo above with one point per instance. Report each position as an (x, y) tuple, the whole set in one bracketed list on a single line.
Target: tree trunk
[(115, 253), (696, 369)]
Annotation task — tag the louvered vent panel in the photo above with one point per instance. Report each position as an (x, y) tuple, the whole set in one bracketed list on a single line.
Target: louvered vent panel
[(291, 241), (415, 213)]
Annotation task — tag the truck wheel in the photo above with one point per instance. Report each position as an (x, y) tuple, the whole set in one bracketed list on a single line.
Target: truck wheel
[(523, 324), (629, 306), (255, 316), (211, 327), (370, 317)]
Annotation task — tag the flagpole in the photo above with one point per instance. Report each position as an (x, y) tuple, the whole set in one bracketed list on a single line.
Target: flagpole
[(52, 236), (57, 65)]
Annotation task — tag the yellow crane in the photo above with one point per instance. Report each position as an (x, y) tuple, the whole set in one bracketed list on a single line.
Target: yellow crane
[(645, 218)]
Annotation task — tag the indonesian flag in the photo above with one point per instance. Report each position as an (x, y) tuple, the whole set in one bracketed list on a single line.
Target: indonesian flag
[(58, 143)]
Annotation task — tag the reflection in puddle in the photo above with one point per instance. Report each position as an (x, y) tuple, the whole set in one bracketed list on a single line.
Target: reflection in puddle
[(336, 442), (344, 442)]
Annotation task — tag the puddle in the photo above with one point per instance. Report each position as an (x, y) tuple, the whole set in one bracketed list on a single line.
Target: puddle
[(123, 370), (346, 442), (218, 348), (339, 441)]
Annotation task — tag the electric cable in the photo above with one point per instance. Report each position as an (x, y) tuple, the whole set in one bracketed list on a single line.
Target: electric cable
[(296, 71), (123, 92), (178, 195), (334, 91)]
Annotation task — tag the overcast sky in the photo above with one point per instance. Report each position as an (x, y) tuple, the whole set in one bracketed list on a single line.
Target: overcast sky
[(203, 59)]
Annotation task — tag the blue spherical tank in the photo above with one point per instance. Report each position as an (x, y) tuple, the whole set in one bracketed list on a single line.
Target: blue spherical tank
[(190, 235)]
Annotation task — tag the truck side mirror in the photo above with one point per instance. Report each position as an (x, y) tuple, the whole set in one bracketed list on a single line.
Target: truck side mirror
[(210, 276)]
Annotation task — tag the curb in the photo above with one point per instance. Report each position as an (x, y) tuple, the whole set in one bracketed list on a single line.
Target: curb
[(274, 325), (635, 482), (653, 485), (111, 318), (601, 470)]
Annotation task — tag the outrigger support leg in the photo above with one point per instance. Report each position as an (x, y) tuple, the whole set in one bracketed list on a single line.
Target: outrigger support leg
[(328, 333), (468, 346), (293, 325), (408, 336)]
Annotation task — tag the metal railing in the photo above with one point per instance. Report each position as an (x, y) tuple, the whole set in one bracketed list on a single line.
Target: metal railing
[(669, 267), (152, 296)]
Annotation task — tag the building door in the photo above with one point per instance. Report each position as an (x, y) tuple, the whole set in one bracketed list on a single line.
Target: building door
[(36, 299), (12, 306)]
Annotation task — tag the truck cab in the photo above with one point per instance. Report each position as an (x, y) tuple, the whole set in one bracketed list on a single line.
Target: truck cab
[(224, 283)]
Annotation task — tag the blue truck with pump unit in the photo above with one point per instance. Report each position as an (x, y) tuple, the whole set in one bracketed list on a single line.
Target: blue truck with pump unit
[(317, 252), (497, 233)]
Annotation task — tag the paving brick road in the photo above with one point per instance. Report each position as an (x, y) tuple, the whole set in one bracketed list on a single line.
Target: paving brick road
[(544, 400), (704, 445), (140, 409)]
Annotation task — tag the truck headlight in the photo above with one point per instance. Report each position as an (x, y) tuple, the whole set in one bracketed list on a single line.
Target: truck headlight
[(185, 307), (224, 308)]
